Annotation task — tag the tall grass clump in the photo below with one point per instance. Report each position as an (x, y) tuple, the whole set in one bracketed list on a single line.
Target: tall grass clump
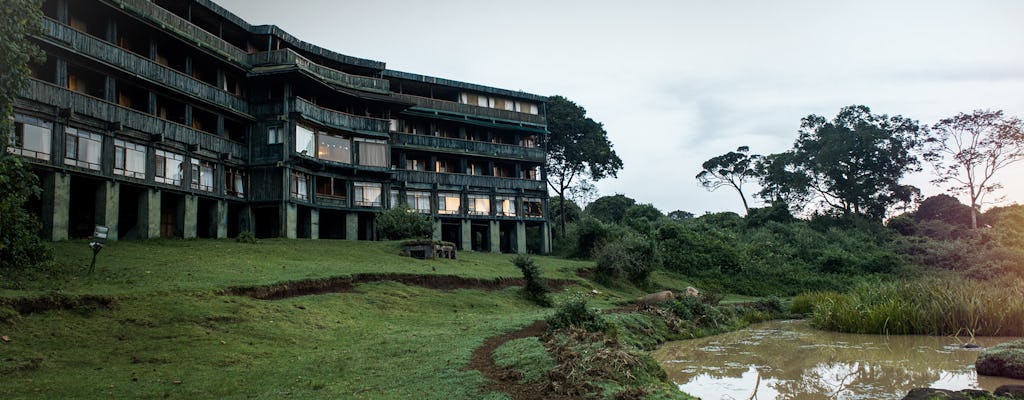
[(928, 306)]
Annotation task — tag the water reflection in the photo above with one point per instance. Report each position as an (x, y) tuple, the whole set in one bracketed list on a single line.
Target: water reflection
[(789, 360)]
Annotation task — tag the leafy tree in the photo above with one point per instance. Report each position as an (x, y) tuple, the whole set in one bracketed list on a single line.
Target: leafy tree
[(610, 209), (402, 222), (642, 217), (731, 169), (968, 149), (578, 149), (852, 164), (572, 211), (20, 246), (680, 215)]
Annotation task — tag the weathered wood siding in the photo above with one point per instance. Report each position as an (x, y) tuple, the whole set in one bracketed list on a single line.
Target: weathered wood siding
[(467, 147), (468, 109), (468, 180), (272, 61)]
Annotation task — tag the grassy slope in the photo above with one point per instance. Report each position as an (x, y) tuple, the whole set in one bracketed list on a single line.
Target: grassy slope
[(171, 336)]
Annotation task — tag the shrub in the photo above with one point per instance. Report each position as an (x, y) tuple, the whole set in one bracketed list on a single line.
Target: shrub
[(402, 222), (534, 288), (574, 313), (631, 257), (590, 234), (246, 237)]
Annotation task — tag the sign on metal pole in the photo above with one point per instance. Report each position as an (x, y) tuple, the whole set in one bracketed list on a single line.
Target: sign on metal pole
[(96, 243)]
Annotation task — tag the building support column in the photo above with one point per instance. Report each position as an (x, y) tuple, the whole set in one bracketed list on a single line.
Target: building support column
[(149, 214), (545, 234), (56, 205), (467, 236), (314, 223), (222, 219), (191, 216), (494, 229), (437, 230), (291, 219), (520, 237), (108, 194), (352, 226)]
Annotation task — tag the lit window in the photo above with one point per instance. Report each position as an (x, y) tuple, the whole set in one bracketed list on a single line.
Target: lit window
[(533, 207), (31, 137), (305, 142), (419, 201), (448, 203), (479, 204), (366, 194), (129, 159), (333, 148), (82, 149), (202, 176), (373, 153), (168, 167), (505, 205)]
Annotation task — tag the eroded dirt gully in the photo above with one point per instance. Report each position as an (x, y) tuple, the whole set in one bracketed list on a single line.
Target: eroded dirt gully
[(52, 302), (308, 287), (504, 380)]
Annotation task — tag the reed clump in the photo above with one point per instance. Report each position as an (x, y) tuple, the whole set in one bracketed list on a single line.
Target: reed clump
[(929, 306)]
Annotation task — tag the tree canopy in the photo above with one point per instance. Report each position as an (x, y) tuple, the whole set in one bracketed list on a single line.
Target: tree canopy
[(731, 169), (610, 209), (851, 164), (967, 150)]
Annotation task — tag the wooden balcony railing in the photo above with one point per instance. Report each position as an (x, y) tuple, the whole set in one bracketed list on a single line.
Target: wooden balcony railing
[(467, 109), (434, 143), (469, 180), (168, 21), (143, 68), (287, 57), (105, 111), (338, 119)]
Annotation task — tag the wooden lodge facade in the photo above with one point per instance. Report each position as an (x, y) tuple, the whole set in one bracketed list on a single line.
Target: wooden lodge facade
[(175, 118)]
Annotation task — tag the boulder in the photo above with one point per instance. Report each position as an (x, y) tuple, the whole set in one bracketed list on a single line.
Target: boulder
[(655, 298), (692, 291), (1010, 391), (1006, 359)]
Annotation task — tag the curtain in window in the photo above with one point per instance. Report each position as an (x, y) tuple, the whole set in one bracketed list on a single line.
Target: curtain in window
[(373, 154)]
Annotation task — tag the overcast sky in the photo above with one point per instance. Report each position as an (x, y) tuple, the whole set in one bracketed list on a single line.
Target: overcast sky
[(678, 82)]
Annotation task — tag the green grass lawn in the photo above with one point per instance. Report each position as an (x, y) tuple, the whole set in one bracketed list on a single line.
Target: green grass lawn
[(170, 335)]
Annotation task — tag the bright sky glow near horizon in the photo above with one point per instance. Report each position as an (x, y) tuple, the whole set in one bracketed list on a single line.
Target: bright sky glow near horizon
[(678, 82)]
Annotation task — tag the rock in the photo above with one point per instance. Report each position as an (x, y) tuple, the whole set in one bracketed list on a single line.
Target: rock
[(5, 338), (1011, 391), (1006, 360), (943, 394), (971, 346), (655, 298), (692, 291)]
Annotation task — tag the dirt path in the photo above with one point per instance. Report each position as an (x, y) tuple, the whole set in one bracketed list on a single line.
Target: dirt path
[(507, 381), (307, 287)]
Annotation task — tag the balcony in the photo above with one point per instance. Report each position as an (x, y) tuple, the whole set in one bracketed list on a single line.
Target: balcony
[(459, 146), (89, 106), (337, 119), (274, 61), (168, 21), (133, 64), (467, 109), (469, 180)]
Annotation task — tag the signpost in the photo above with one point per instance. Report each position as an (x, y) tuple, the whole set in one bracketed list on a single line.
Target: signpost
[(99, 239)]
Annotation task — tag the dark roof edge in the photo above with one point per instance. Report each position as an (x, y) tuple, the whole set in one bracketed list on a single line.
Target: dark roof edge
[(390, 73)]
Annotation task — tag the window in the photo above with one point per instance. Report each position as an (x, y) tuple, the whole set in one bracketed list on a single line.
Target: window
[(274, 135), (202, 176), (333, 148), (533, 207), (419, 201), (475, 169), (528, 141), (366, 194), (395, 197), (234, 182), (129, 159), (444, 166), (479, 204), (300, 186), (168, 167), (31, 137), (304, 140), (415, 165), (448, 203), (82, 149), (330, 187), (505, 205), (373, 153), (531, 173)]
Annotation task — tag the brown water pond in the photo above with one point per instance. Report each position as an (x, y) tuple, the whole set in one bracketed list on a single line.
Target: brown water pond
[(791, 360)]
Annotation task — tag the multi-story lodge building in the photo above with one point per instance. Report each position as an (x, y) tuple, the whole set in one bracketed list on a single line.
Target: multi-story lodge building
[(176, 118)]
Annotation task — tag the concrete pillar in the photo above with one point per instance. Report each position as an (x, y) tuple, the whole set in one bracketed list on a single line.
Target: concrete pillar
[(191, 216), (494, 231), (108, 195), (437, 229), (149, 214), (56, 206), (351, 226), (314, 223), (520, 237), (291, 220), (467, 236), (545, 233), (222, 219)]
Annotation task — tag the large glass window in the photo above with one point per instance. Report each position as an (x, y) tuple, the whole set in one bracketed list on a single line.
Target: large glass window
[(479, 204), (82, 149), (366, 194), (129, 159), (234, 182), (305, 140), (203, 176), (448, 203), (533, 207), (331, 187), (373, 153), (300, 186), (334, 148), (31, 137), (419, 201), (505, 205), (168, 167)]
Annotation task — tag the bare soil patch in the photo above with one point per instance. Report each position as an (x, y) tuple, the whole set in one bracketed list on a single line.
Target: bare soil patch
[(308, 287)]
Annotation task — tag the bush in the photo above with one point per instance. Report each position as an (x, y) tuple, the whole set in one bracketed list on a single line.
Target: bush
[(246, 237), (402, 222), (590, 234), (534, 288), (631, 257), (20, 245), (574, 313)]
